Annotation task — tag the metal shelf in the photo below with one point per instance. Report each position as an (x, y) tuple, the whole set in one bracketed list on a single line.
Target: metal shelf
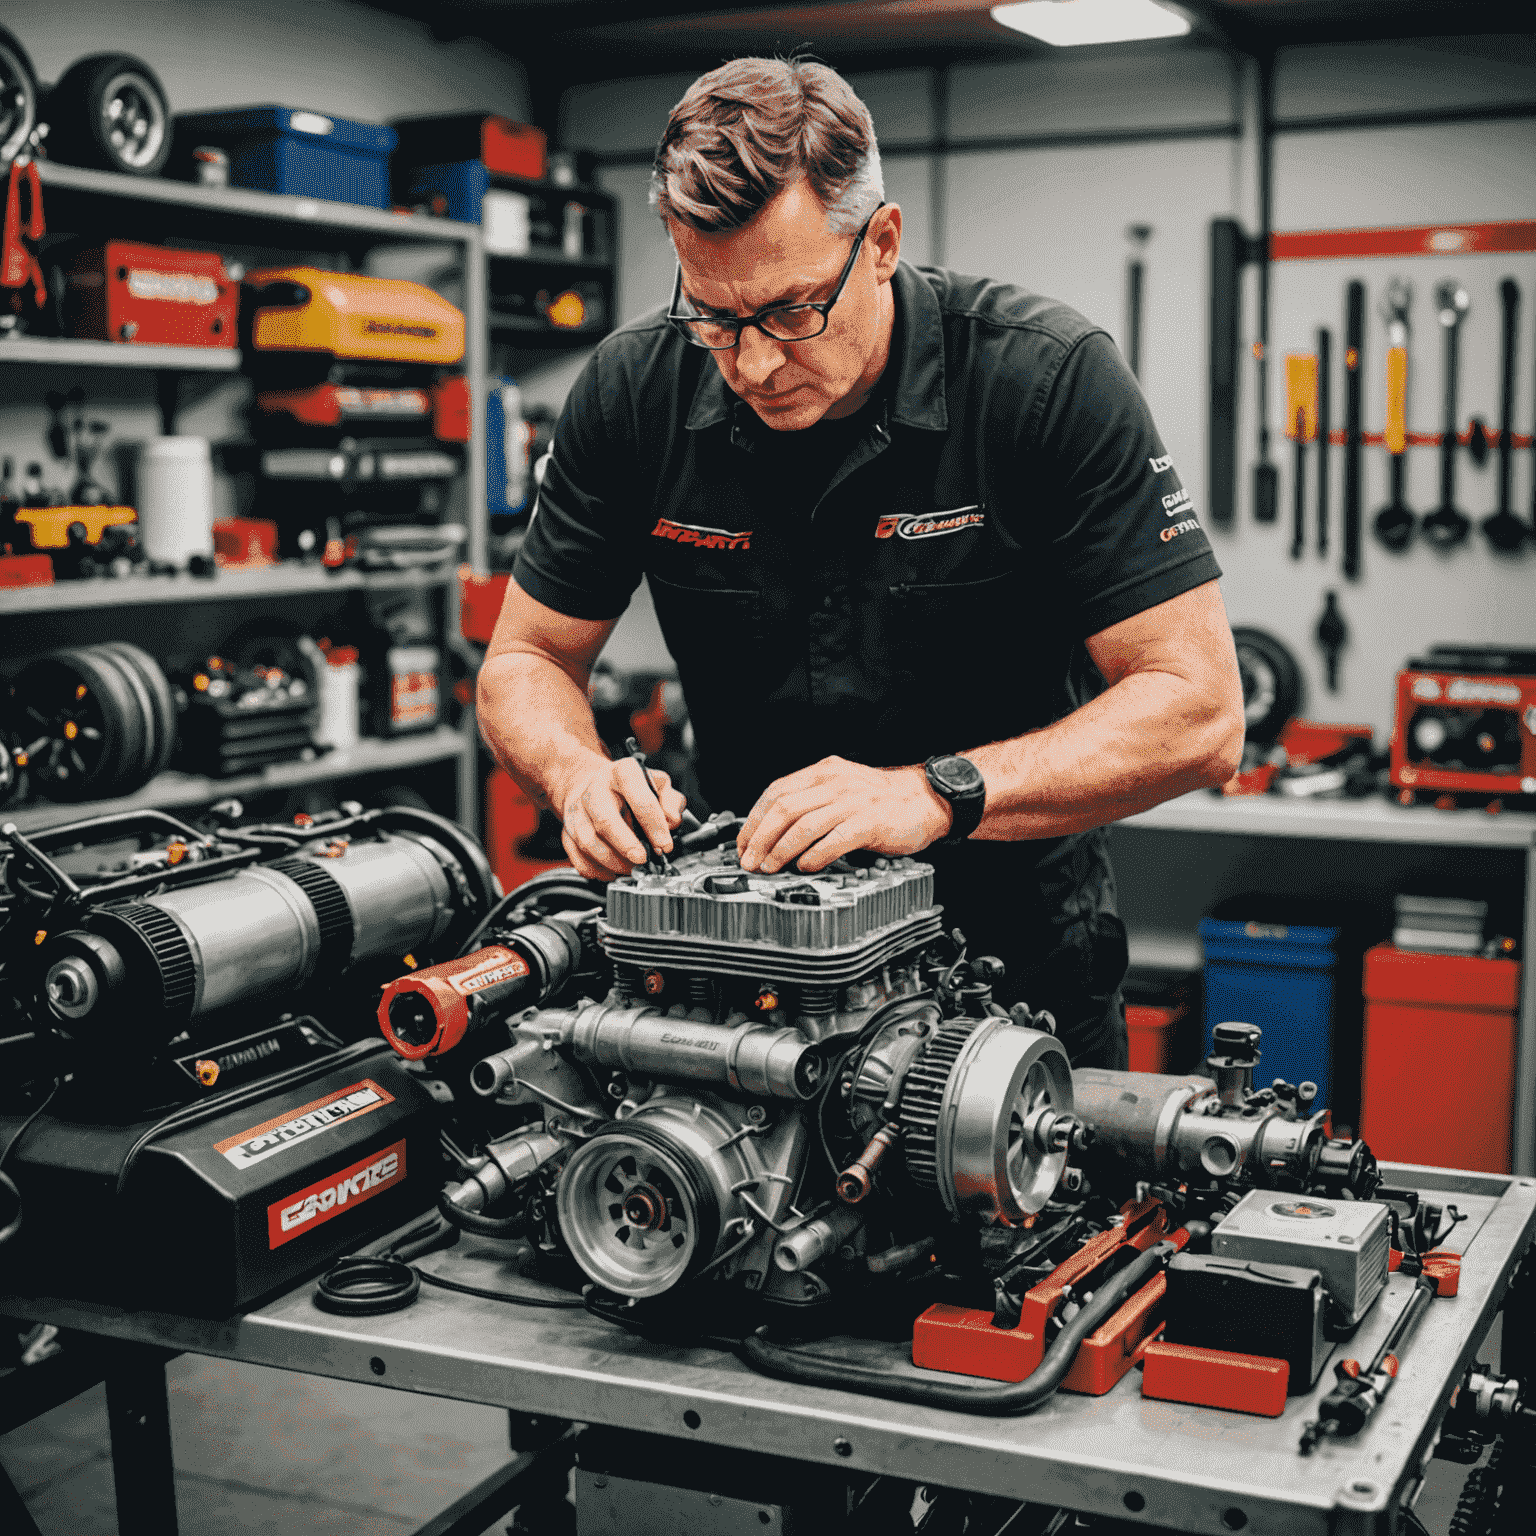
[(235, 203), (172, 790), (66, 352), (1365, 821), (550, 259), (292, 580)]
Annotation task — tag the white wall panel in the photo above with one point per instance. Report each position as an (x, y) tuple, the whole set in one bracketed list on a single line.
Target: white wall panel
[(1070, 91)]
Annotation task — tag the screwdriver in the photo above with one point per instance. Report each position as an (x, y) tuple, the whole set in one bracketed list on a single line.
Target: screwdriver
[(656, 863)]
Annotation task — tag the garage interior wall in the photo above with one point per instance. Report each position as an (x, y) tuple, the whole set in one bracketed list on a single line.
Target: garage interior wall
[(1054, 218)]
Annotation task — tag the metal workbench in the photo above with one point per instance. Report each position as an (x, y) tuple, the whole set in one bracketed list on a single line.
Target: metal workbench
[(1194, 1469)]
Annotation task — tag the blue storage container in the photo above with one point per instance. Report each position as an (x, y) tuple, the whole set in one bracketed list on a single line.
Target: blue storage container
[(508, 480), (310, 154), (1284, 978)]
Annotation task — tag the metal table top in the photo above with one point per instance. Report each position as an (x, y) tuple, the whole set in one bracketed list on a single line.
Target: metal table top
[(1195, 1469)]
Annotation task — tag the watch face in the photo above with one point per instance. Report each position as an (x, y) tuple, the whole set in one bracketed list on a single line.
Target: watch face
[(957, 775)]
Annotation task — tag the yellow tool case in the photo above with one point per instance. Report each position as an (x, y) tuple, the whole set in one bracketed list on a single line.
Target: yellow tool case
[(347, 315)]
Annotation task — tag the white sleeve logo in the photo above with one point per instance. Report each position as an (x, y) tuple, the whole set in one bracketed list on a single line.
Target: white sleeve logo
[(1159, 465)]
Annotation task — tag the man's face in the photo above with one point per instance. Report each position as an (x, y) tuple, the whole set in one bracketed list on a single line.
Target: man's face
[(788, 255)]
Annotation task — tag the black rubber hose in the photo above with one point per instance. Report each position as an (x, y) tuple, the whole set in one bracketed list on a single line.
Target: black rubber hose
[(1006, 1398), (480, 1226)]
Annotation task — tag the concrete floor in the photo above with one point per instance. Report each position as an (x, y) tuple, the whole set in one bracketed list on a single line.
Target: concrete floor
[(261, 1452)]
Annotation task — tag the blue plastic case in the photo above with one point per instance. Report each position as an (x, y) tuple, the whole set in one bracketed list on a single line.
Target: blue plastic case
[(288, 149)]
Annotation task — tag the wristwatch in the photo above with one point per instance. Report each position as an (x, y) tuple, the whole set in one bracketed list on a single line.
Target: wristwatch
[(958, 780)]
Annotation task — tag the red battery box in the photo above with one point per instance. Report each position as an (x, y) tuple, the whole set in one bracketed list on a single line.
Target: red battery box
[(1465, 723), (151, 295)]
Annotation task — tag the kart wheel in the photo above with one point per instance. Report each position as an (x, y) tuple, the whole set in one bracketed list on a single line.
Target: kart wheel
[(109, 111), (1271, 683), (18, 97)]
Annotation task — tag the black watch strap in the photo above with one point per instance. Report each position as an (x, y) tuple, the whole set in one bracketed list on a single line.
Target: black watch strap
[(958, 780)]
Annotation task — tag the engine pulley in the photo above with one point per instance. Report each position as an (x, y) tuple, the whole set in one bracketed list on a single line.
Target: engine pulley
[(643, 1205), (985, 1110)]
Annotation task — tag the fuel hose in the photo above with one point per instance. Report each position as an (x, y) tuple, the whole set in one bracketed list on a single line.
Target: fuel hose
[(1012, 1397)]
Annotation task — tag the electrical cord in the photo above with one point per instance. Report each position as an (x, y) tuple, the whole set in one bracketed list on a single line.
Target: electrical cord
[(367, 1284), (810, 1369), (478, 1225), (7, 1183)]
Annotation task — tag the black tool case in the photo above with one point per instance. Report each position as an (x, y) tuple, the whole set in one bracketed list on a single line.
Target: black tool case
[(217, 1215)]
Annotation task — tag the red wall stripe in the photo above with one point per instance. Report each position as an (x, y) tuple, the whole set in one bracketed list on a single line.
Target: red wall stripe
[(1408, 240)]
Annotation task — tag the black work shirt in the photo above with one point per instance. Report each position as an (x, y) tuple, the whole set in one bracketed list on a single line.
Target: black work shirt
[(1007, 497)]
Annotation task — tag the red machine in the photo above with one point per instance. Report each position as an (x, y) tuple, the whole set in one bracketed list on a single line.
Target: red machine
[(148, 294), (1465, 725), (966, 1340)]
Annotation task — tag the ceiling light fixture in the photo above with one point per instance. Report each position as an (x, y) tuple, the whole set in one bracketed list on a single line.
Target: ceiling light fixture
[(1069, 23)]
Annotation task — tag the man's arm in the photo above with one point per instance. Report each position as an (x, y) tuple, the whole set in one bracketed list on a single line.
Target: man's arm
[(1171, 720), (536, 719)]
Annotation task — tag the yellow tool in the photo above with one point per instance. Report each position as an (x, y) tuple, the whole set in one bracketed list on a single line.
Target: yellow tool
[(383, 319)]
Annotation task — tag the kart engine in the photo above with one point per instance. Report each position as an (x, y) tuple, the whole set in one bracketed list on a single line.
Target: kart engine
[(791, 1084)]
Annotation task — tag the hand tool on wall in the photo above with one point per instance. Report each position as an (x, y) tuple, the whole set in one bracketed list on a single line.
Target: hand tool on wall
[(1230, 250), (1504, 531), (1332, 637), (1446, 527), (1301, 428), (1354, 347), (1135, 286), (1266, 478), (1395, 523), (1324, 427)]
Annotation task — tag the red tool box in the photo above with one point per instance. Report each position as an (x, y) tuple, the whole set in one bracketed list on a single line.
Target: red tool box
[(151, 295), (967, 1341), (1466, 723), (1458, 1116)]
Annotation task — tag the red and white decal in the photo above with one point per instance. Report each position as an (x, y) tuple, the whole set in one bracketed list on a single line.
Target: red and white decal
[(502, 966), (703, 538), (309, 1120), (305, 1209), (931, 524)]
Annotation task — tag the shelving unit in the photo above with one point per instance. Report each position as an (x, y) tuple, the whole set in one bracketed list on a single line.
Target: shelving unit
[(1371, 822), (162, 210), (172, 790), (290, 579), (66, 352)]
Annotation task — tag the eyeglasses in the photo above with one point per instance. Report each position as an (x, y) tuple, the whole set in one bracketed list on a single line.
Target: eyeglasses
[(781, 322)]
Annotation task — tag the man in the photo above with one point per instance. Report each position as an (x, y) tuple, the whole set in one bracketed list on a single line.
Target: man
[(930, 580)]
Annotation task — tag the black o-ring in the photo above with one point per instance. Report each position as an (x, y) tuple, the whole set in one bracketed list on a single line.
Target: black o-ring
[(361, 1286)]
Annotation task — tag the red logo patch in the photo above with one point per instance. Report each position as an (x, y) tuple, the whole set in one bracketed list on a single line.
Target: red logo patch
[(704, 538), (886, 527), (307, 1208)]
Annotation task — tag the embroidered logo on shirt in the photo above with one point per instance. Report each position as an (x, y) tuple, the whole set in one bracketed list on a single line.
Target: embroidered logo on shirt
[(1165, 461), (931, 524), (1187, 526), (1175, 503), (705, 538)]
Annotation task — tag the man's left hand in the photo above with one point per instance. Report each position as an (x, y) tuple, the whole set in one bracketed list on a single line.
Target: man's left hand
[(834, 807)]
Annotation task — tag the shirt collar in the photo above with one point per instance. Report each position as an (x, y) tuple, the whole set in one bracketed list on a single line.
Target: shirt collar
[(918, 398)]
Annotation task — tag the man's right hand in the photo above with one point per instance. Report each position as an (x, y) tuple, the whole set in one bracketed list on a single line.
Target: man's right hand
[(600, 840)]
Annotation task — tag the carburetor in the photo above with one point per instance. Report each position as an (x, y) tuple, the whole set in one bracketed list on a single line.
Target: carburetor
[(784, 1082)]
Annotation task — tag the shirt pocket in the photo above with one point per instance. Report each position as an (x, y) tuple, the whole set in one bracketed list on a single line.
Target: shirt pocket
[(962, 647), (715, 635)]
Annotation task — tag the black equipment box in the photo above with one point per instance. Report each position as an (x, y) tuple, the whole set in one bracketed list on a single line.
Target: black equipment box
[(208, 1211), (1273, 1310)]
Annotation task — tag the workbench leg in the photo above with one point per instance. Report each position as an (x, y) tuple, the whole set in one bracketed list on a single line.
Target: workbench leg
[(1524, 1163), (143, 1470), (15, 1518)]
